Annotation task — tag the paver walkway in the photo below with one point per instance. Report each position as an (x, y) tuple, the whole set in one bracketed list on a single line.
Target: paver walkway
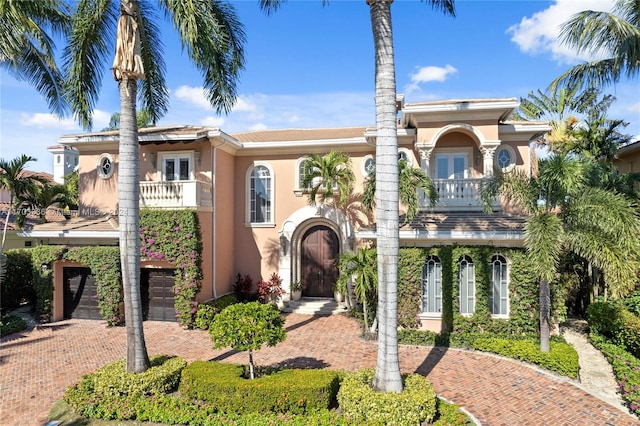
[(36, 367)]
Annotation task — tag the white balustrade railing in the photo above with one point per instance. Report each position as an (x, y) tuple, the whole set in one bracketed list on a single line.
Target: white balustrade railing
[(189, 193), (457, 194)]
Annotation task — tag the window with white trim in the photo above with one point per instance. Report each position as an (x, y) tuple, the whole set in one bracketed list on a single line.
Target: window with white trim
[(176, 166), (505, 157), (452, 165), (300, 174), (466, 286), (368, 165), (432, 286), (260, 194), (499, 297)]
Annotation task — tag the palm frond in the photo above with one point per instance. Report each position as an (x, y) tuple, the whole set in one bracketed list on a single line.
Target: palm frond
[(544, 238), (87, 55)]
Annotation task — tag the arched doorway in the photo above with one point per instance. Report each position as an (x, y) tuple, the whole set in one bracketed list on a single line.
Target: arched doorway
[(319, 250)]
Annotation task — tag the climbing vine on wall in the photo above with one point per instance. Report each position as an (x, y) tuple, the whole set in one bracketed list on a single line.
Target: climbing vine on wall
[(104, 262), (523, 289), (174, 235), (41, 259)]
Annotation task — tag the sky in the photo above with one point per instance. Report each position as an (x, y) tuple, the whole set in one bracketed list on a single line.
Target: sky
[(312, 66)]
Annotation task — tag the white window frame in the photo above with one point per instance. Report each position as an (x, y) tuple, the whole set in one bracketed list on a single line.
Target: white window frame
[(468, 302), (512, 154), (363, 164), (504, 282), (176, 156), (269, 222), (407, 155), (299, 190), (450, 153), (432, 286)]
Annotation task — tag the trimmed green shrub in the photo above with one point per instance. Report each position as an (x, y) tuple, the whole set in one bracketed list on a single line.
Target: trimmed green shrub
[(613, 321), (561, 358), (208, 310), (113, 383), (626, 368), (224, 387), (17, 282), (363, 405), (450, 415), (11, 324)]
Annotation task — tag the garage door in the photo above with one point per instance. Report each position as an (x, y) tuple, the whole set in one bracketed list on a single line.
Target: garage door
[(80, 296), (157, 294)]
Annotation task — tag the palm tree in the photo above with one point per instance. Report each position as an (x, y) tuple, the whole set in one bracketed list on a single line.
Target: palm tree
[(44, 196), (361, 268), (143, 119), (27, 49), (213, 39), (328, 177), (410, 179), (387, 375), (616, 34), (564, 213)]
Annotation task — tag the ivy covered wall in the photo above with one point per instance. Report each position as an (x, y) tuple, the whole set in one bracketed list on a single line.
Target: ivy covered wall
[(171, 235), (523, 289)]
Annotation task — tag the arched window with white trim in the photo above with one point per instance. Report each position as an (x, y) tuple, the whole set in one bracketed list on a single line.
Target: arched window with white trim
[(499, 297), (260, 194), (432, 286), (466, 285)]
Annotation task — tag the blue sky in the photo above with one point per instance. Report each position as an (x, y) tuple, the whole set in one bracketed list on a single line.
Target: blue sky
[(313, 66)]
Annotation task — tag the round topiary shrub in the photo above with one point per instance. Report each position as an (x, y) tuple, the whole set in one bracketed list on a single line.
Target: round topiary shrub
[(363, 405)]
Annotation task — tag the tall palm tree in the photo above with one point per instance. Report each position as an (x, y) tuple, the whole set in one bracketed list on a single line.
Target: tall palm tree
[(616, 34), (410, 180), (329, 177), (387, 374), (564, 213), (213, 39), (27, 48)]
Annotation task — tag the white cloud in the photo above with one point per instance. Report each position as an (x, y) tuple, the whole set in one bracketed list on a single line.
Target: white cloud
[(428, 74), (43, 120), (539, 33), (192, 95), (212, 121), (258, 126)]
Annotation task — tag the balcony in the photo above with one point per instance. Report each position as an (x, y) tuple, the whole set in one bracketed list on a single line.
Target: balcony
[(458, 194), (176, 194)]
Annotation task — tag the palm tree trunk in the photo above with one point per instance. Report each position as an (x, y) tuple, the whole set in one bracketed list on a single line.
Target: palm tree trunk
[(545, 314), (128, 214), (387, 375)]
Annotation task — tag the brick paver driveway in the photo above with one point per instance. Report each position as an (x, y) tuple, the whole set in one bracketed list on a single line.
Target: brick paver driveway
[(36, 367)]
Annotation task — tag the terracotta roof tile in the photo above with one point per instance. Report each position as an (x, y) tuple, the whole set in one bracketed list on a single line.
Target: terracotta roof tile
[(300, 134)]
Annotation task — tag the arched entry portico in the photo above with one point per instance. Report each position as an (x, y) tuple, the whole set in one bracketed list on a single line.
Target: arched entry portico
[(311, 239)]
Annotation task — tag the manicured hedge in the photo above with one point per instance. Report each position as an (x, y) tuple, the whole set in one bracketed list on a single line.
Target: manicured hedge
[(16, 284), (613, 321), (295, 391), (415, 405)]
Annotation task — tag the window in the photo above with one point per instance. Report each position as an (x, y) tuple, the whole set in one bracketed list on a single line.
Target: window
[(432, 286), (105, 166), (300, 174), (405, 154), (368, 165), (499, 298), (177, 166), (451, 166), (466, 286), (260, 203), (505, 157)]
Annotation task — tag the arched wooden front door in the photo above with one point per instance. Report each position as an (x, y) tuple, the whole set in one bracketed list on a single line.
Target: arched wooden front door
[(320, 250)]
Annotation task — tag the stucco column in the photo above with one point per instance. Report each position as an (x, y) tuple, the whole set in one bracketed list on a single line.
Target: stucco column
[(425, 158), (488, 154)]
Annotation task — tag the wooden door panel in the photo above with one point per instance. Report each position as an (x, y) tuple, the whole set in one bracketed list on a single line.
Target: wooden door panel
[(319, 252)]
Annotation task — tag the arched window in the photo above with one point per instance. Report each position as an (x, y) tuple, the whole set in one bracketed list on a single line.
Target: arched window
[(432, 286), (499, 298), (505, 157), (300, 174), (466, 286), (260, 194)]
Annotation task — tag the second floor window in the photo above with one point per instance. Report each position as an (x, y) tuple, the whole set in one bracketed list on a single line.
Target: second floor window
[(260, 195), (176, 167)]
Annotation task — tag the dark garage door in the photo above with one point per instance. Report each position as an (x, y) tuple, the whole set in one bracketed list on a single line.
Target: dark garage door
[(157, 294), (80, 297)]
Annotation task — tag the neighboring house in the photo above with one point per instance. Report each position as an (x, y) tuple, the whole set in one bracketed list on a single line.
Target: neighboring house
[(13, 240), (65, 161), (628, 158), (255, 217)]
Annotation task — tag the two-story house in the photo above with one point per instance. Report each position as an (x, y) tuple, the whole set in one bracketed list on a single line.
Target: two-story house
[(255, 217)]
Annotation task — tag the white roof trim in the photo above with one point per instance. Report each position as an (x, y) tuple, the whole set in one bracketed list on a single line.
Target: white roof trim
[(71, 234)]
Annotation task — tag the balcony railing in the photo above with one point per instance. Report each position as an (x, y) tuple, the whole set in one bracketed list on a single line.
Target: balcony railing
[(457, 194), (172, 194)]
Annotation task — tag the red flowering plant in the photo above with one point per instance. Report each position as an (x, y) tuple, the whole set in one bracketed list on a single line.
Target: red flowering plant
[(269, 291)]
